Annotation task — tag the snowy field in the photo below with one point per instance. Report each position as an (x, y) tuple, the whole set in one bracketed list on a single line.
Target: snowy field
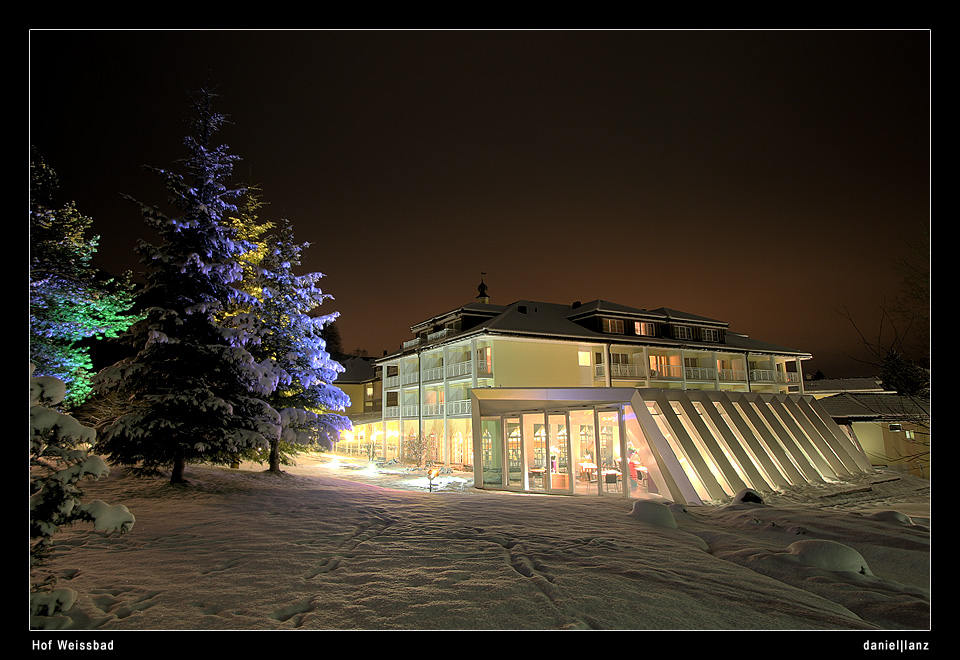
[(332, 546)]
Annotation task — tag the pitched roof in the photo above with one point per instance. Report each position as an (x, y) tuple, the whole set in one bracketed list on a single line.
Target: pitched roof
[(871, 406), (357, 369), (554, 320), (843, 385)]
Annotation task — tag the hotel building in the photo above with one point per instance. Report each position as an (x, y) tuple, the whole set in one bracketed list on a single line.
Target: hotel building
[(538, 396)]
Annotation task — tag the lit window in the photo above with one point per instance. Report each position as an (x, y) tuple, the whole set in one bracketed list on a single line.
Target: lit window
[(584, 358), (614, 326), (643, 328)]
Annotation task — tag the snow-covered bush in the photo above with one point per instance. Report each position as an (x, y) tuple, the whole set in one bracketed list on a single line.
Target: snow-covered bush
[(653, 513), (58, 462), (830, 556)]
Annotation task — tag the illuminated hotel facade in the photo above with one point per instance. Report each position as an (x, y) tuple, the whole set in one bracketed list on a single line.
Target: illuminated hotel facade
[(542, 397)]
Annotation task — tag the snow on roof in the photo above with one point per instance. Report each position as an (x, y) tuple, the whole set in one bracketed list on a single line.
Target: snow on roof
[(357, 369), (881, 406), (843, 385), (555, 320)]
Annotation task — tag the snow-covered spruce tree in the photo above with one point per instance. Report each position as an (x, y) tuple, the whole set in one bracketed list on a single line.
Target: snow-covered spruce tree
[(246, 223), (290, 338), (194, 392), (58, 462), (70, 299)]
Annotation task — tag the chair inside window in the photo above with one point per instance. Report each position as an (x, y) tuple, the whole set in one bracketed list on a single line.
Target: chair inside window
[(612, 478)]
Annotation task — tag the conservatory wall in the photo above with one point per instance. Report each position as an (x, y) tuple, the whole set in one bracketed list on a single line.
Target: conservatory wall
[(683, 445)]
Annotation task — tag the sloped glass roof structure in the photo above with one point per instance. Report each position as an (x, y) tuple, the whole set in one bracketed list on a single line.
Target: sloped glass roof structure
[(692, 446)]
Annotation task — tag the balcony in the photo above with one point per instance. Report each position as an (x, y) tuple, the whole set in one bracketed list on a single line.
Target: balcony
[(433, 410), (733, 375), (433, 373), (463, 407), (763, 375), (624, 371), (413, 343), (460, 369), (667, 372), (699, 373), (442, 334), (391, 382), (677, 372)]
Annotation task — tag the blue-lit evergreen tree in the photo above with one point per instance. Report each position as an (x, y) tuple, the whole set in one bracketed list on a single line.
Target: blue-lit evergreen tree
[(290, 337), (70, 299), (194, 392)]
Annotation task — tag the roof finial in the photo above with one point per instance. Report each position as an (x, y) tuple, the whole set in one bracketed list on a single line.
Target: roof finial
[(482, 297)]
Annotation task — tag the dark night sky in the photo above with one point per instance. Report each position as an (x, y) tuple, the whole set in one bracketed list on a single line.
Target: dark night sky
[(769, 179)]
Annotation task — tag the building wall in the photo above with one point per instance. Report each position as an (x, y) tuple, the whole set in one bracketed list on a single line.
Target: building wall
[(515, 362), (518, 363), (895, 449), (355, 392)]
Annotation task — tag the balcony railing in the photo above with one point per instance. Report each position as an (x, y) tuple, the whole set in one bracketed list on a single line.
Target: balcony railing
[(446, 332), (458, 369), (433, 409), (433, 373), (675, 372), (621, 370), (459, 407), (410, 377), (391, 381), (627, 371), (391, 411), (738, 375), (411, 410), (664, 371), (412, 343), (700, 373)]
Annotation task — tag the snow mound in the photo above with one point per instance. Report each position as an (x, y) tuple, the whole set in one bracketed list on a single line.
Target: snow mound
[(748, 496), (891, 516), (109, 518), (829, 555), (653, 513), (47, 607)]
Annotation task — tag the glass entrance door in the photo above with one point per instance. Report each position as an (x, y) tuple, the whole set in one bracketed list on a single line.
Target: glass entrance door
[(514, 440), (608, 451), (584, 451), (558, 472), (535, 451), (491, 453)]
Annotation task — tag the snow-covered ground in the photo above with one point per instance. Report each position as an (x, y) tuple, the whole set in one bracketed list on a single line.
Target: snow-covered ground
[(332, 545)]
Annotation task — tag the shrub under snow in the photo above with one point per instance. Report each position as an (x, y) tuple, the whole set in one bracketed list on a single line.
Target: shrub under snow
[(58, 462)]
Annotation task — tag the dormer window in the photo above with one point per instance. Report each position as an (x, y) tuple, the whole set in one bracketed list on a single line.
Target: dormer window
[(613, 326), (644, 329), (710, 334), (682, 332)]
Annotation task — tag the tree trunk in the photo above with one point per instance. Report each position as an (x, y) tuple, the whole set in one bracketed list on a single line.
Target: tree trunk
[(176, 476), (274, 457)]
